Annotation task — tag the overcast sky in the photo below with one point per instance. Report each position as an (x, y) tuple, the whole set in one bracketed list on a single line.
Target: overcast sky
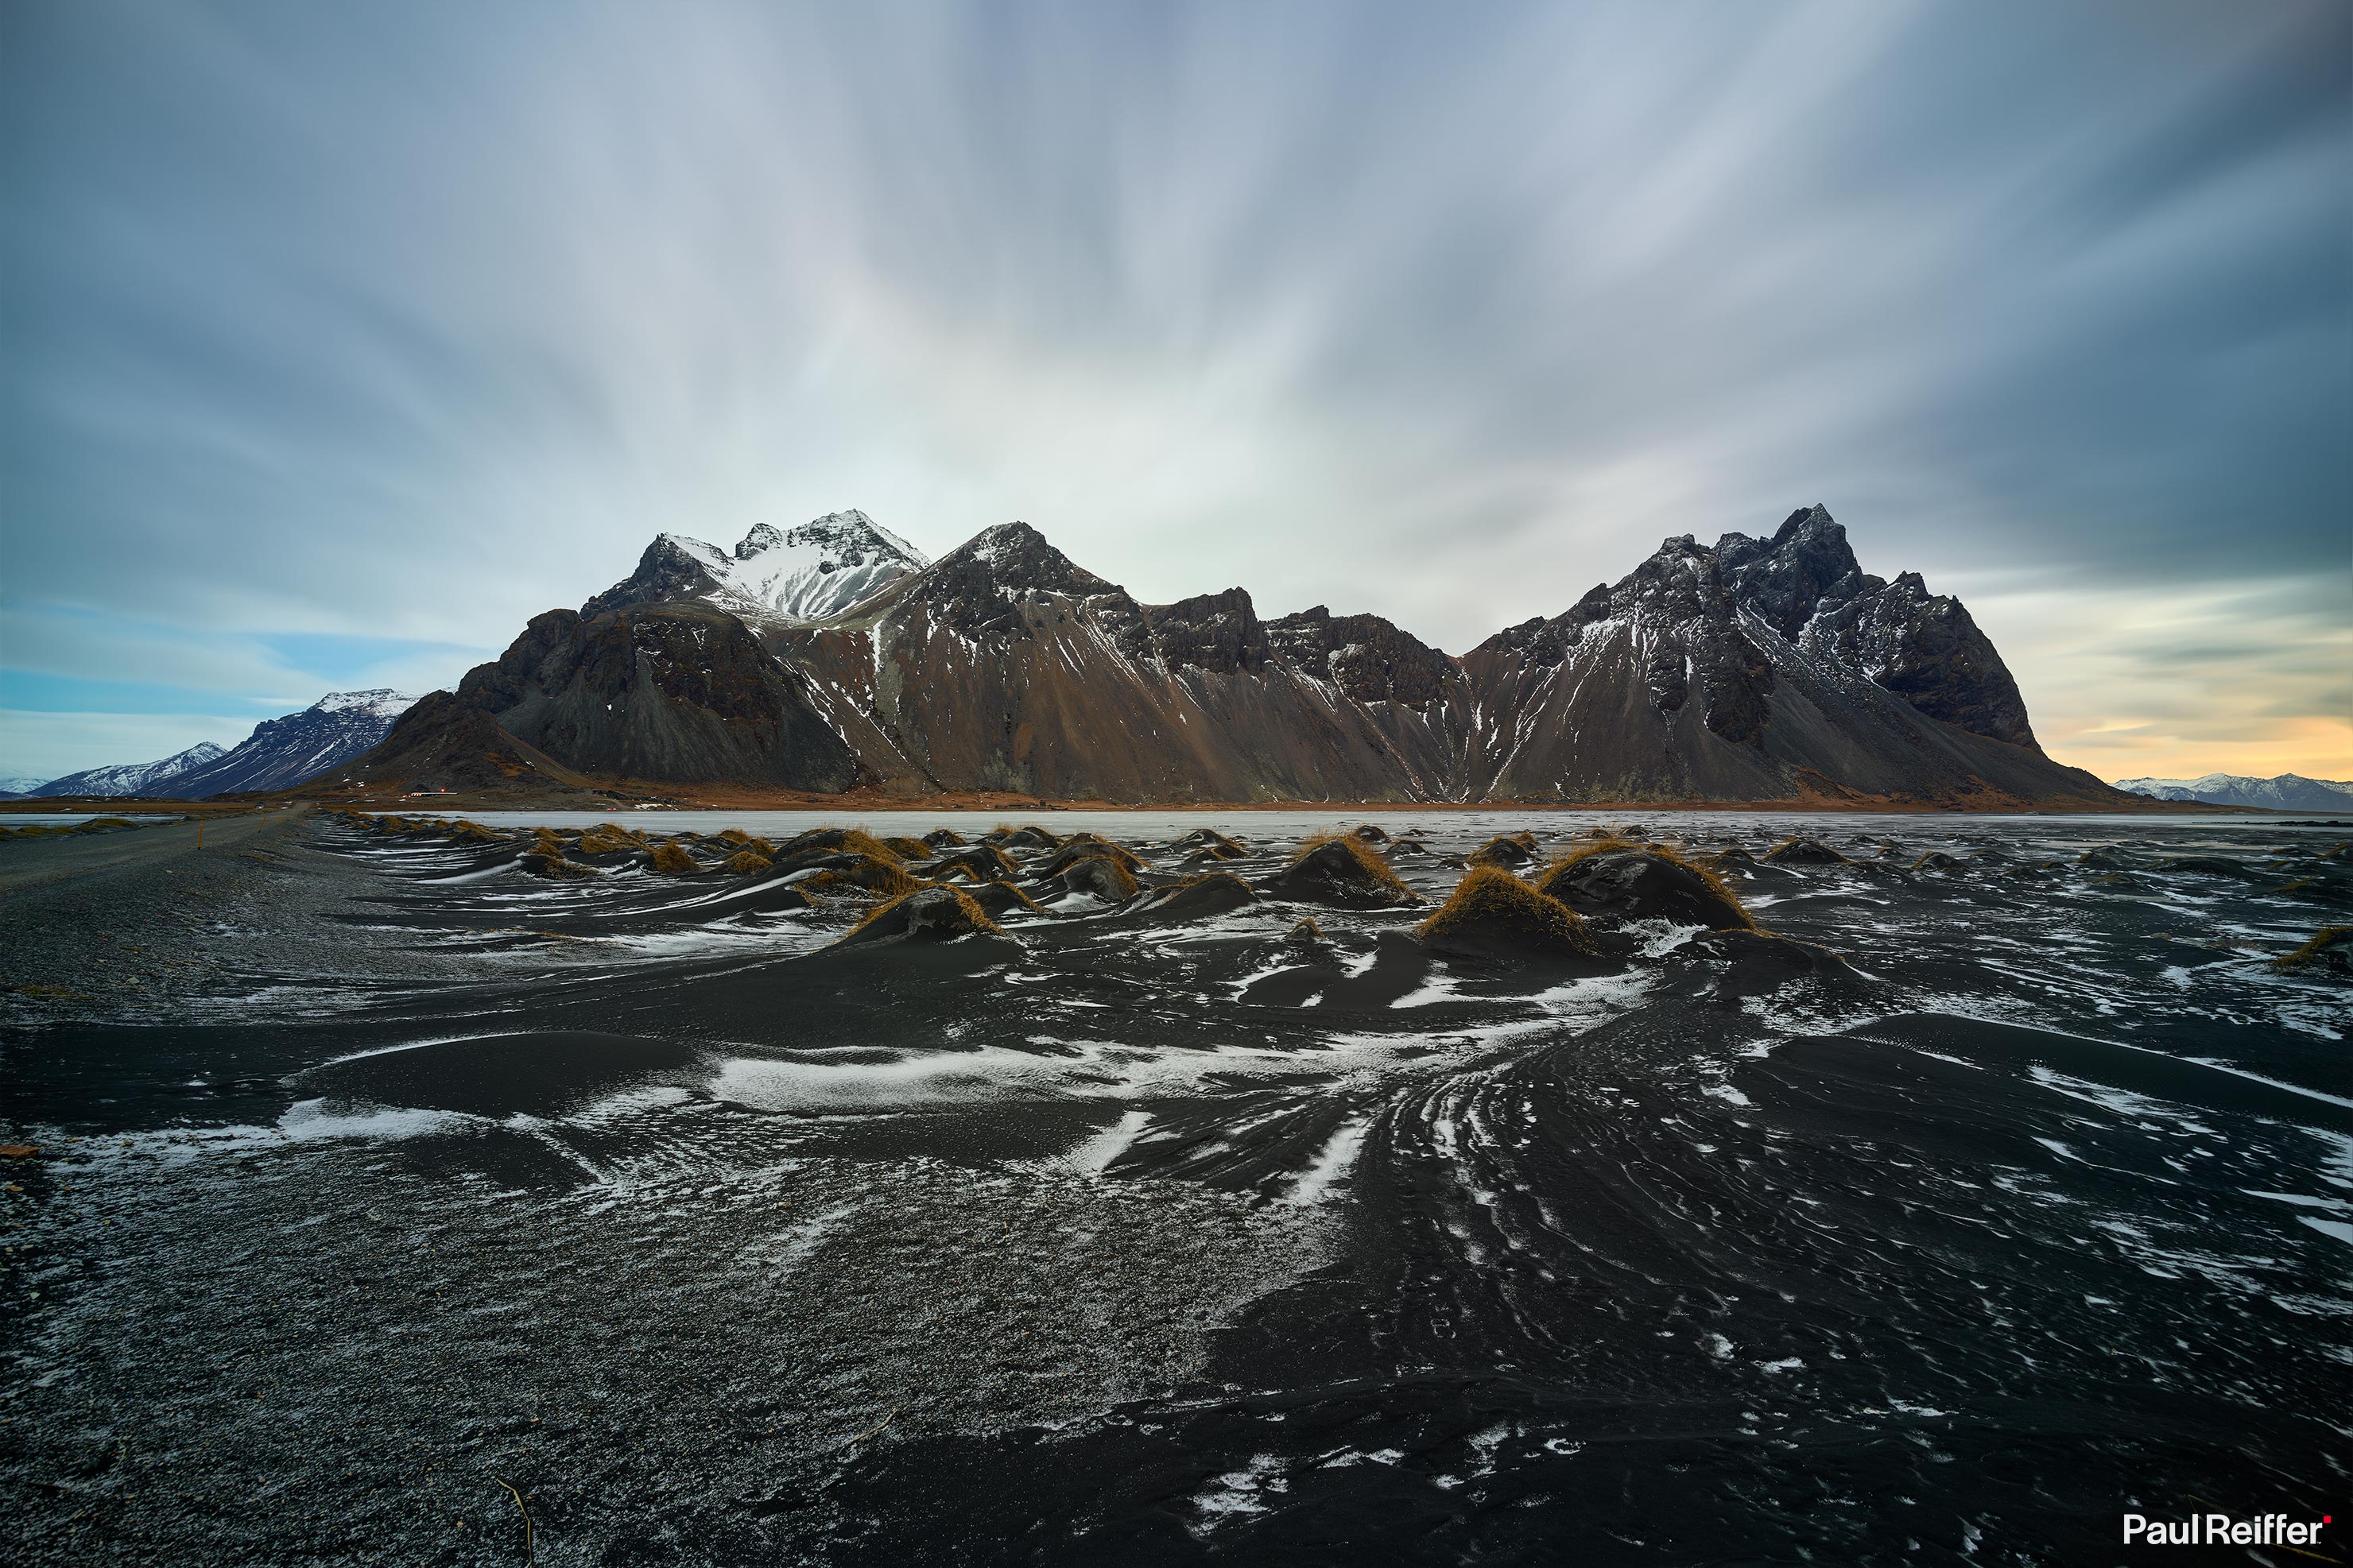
[(340, 340)]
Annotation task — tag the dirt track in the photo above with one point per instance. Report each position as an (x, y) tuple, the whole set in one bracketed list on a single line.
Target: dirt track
[(28, 863)]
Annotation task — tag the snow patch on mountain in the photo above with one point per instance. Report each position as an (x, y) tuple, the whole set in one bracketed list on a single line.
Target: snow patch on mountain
[(131, 778), (297, 747), (793, 575)]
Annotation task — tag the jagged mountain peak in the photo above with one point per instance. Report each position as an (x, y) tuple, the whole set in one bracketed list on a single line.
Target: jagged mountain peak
[(791, 576), (975, 585)]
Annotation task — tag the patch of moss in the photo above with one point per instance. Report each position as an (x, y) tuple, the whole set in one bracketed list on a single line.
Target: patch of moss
[(103, 823), (1491, 908)]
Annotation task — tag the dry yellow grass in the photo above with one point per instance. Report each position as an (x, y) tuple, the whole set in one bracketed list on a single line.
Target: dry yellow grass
[(743, 863), (1005, 896), (876, 877), (1493, 904), (1101, 875), (1505, 849), (610, 838), (670, 861), (908, 848), (2313, 952)]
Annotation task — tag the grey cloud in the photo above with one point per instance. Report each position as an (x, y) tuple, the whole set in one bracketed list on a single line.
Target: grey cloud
[(421, 319)]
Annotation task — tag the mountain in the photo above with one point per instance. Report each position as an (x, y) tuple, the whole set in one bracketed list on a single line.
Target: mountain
[(285, 751), (1758, 670), (2288, 792), (667, 692), (1005, 666), (445, 743), (16, 787), (1755, 670), (131, 778), (802, 575)]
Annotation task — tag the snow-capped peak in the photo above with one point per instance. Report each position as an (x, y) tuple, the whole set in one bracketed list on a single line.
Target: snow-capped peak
[(795, 574), (382, 701)]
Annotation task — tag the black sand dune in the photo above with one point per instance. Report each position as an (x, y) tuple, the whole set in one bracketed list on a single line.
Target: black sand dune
[(1940, 1218)]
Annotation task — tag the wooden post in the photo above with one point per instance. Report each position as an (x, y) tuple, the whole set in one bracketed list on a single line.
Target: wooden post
[(200, 833)]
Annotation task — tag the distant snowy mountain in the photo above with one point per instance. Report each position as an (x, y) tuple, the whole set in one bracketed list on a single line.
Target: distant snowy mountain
[(131, 778), (286, 751), (279, 754), (16, 787), (795, 576), (2288, 792)]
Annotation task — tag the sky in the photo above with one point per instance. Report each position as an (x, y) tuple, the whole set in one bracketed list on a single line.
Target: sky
[(337, 341)]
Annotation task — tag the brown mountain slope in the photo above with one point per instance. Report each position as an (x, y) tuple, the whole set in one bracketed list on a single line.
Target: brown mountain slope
[(1004, 666)]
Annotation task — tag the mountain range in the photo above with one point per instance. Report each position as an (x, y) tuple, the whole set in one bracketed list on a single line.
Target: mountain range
[(280, 754), (835, 656), (2288, 792)]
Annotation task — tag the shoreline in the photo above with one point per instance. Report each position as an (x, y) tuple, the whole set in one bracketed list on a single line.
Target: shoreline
[(633, 795)]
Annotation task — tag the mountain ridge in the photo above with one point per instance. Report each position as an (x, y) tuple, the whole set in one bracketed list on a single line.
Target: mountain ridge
[(1757, 670), (279, 753), (2283, 792)]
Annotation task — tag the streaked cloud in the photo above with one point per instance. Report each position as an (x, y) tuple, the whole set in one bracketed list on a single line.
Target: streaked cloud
[(408, 323)]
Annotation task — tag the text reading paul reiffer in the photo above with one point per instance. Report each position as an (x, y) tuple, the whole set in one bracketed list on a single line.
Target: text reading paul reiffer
[(2221, 1530)]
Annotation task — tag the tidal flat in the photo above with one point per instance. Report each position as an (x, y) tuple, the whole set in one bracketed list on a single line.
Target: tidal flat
[(398, 1178)]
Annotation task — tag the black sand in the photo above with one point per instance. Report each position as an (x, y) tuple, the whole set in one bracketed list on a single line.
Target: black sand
[(376, 1176)]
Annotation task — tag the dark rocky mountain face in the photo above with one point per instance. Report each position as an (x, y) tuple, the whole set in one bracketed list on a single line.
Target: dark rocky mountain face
[(1755, 670), (1758, 670), (447, 743), (680, 692)]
